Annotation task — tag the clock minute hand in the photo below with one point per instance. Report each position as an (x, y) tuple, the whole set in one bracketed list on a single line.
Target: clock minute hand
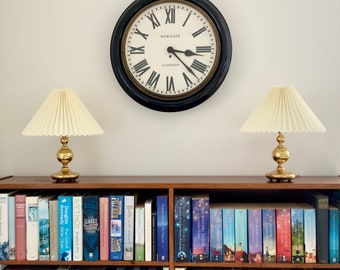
[(171, 50)]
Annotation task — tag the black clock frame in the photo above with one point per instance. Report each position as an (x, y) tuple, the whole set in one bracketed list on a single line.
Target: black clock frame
[(186, 102)]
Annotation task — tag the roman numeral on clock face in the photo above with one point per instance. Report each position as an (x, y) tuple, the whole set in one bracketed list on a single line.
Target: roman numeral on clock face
[(199, 66), (170, 85), (199, 31), (137, 50), (141, 67), (203, 49), (155, 23), (170, 15), (143, 35), (153, 79)]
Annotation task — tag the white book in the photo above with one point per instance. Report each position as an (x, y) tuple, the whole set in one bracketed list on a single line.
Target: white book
[(148, 230), (77, 215), (129, 209), (32, 228), (139, 232)]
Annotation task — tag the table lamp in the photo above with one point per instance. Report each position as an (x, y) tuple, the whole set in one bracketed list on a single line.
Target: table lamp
[(63, 114), (282, 111)]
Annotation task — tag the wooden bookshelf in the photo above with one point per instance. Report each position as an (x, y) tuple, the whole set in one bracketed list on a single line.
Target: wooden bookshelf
[(241, 188)]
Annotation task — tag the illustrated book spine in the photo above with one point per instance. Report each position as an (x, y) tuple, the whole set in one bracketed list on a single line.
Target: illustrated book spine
[(216, 237), (283, 235), (104, 228), (20, 226), (65, 227), (77, 222), (54, 235), (269, 235), (298, 242), (162, 226), (182, 228), (139, 232), (129, 219), (44, 228), (228, 222), (241, 235), (91, 227), (11, 228), (32, 228), (4, 229), (148, 229), (333, 234), (255, 235), (310, 234), (116, 227)]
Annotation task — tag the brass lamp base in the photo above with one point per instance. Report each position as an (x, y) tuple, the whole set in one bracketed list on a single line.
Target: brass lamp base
[(280, 155), (64, 156)]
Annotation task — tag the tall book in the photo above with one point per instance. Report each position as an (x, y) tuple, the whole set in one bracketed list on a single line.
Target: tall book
[(44, 228), (269, 234), (129, 229), (116, 227), (216, 234), (148, 229), (139, 232), (182, 228), (298, 240), (77, 222), (228, 222), (255, 235), (104, 228), (200, 212), (333, 234), (153, 236), (320, 202), (310, 233), (20, 227), (65, 229), (11, 227), (91, 227), (283, 235), (54, 222), (32, 228), (162, 226), (241, 233)]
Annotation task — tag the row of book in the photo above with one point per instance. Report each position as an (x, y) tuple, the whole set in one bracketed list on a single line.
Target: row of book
[(76, 227)]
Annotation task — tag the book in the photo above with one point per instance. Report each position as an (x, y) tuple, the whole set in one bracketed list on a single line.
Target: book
[(228, 227), (77, 225), (148, 229), (20, 227), (32, 228), (91, 227), (162, 226), (153, 236), (200, 206), (44, 227), (297, 228), (241, 234), (139, 232), (116, 227), (104, 228), (333, 234), (65, 229), (255, 235), (11, 227), (129, 230), (310, 233), (53, 215), (283, 235), (182, 228), (216, 236), (269, 234)]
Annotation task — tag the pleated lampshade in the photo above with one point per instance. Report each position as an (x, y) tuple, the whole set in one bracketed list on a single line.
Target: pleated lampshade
[(62, 114)]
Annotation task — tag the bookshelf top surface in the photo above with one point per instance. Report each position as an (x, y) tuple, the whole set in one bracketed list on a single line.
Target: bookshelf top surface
[(168, 182)]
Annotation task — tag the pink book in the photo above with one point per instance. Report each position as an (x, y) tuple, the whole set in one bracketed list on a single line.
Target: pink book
[(20, 226), (104, 228)]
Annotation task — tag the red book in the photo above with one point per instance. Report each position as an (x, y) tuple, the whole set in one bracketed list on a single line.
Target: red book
[(104, 228), (20, 226), (283, 236)]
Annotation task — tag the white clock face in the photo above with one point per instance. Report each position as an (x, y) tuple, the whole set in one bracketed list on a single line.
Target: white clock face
[(170, 49)]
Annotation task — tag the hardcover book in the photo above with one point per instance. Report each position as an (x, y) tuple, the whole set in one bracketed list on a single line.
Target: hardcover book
[(148, 230), (200, 228), (310, 233), (104, 228), (283, 235), (116, 227), (333, 234), (216, 236), (77, 233), (228, 220), (162, 226), (298, 242), (32, 228), (11, 227), (20, 227), (139, 232), (44, 228), (53, 214), (129, 230), (241, 234), (153, 236), (91, 227), (182, 228), (269, 235), (255, 235), (65, 227)]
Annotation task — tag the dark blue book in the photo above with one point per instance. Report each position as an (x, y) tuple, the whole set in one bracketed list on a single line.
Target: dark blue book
[(269, 234), (162, 226), (182, 228), (65, 227), (216, 237), (116, 227), (91, 227)]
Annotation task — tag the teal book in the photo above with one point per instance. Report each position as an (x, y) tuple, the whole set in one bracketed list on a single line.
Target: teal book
[(44, 228), (298, 242), (241, 234), (228, 227), (216, 236), (11, 228), (333, 234), (91, 227), (162, 228), (269, 235), (255, 235), (116, 227), (65, 227), (310, 233)]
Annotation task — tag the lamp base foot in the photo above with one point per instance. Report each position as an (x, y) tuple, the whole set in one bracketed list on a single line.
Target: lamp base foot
[(276, 176), (69, 177)]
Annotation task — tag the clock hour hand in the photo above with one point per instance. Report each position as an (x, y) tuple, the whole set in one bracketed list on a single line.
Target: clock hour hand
[(187, 52), (172, 51)]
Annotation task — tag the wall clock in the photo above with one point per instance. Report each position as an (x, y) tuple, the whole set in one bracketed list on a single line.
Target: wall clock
[(171, 55)]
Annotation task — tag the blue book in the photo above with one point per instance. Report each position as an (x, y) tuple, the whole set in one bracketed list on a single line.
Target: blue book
[(116, 227), (255, 235), (91, 227), (310, 233), (228, 222), (182, 228), (241, 234), (269, 235), (65, 227), (200, 228), (162, 227), (298, 242), (216, 237), (44, 228), (333, 234)]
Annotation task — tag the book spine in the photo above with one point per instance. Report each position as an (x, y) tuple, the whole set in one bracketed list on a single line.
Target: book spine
[(65, 227), (44, 229), (104, 228), (4, 226), (20, 226), (333, 234), (77, 221), (129, 209), (216, 238), (298, 243), (269, 235), (153, 236), (139, 232), (310, 235), (182, 228), (200, 228), (255, 235), (32, 228), (116, 227), (228, 220), (91, 227), (283, 235), (241, 235), (53, 214), (148, 230), (11, 228), (162, 228)]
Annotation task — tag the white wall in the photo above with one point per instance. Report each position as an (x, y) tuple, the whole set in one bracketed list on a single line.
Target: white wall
[(47, 44)]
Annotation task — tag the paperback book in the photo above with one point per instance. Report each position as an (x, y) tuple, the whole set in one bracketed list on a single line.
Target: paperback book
[(162, 227), (91, 227), (216, 236), (241, 234), (269, 235), (283, 235), (298, 242), (228, 220), (116, 227), (65, 227), (255, 235)]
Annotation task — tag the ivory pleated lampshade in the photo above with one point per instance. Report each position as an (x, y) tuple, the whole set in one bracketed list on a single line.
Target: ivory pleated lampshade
[(62, 114), (284, 110)]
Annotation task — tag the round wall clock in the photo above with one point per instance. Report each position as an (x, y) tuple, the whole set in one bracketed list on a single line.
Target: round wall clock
[(171, 55)]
